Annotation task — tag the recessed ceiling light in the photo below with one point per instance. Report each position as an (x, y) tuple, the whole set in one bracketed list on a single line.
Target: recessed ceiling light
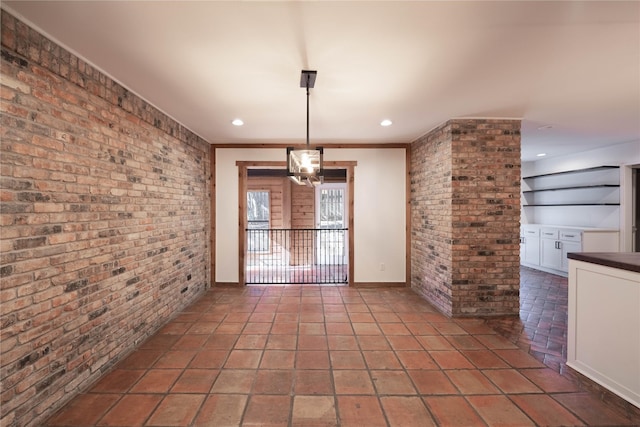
[(545, 127), (237, 122), (541, 154), (386, 122)]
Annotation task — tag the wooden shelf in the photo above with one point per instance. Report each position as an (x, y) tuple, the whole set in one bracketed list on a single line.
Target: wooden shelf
[(573, 204), (578, 187), (597, 168), (593, 189)]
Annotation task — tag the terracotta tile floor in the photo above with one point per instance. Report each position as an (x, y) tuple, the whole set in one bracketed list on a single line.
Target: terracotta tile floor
[(336, 356)]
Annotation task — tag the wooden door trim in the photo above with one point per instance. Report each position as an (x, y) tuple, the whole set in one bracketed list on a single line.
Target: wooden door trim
[(243, 166)]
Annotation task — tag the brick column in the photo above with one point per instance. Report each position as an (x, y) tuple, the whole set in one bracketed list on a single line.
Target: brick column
[(465, 197)]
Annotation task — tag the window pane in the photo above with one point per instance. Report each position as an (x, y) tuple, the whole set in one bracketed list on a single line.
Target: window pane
[(258, 206), (258, 219), (331, 208)]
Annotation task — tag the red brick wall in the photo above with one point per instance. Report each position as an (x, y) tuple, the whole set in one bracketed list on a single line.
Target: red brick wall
[(431, 228), (105, 222), (465, 197)]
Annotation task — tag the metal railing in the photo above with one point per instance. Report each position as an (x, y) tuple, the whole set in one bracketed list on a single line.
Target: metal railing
[(296, 256)]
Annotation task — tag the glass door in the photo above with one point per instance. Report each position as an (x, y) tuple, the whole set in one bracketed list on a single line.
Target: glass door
[(331, 224)]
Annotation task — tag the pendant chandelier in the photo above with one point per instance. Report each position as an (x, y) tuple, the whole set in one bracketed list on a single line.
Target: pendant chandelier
[(304, 166)]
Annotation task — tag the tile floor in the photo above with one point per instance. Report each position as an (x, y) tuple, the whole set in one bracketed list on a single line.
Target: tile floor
[(337, 356)]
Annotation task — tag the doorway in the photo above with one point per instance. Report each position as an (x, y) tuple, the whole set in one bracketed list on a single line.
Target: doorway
[(331, 222), (293, 234)]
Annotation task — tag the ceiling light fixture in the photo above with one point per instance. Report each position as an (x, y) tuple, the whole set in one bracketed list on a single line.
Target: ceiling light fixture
[(386, 122), (304, 166), (541, 154), (237, 122)]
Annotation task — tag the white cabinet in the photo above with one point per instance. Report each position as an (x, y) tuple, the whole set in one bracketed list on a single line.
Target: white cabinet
[(603, 341), (550, 249), (530, 245), (570, 241), (556, 244), (546, 247)]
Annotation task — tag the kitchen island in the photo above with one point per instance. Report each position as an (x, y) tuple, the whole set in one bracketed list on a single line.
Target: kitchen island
[(604, 320)]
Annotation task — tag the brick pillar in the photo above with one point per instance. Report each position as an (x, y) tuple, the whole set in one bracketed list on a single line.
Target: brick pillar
[(465, 197)]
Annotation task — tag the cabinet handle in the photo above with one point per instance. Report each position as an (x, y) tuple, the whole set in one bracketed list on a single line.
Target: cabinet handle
[(569, 235)]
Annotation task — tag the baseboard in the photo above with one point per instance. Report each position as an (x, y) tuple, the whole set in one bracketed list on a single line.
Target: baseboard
[(379, 284), (225, 285)]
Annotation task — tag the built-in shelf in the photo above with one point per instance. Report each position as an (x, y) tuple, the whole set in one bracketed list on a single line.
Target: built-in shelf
[(596, 186), (574, 171), (573, 204), (578, 187)]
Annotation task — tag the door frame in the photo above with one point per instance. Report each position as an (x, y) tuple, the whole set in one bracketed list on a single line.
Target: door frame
[(627, 200), (243, 166)]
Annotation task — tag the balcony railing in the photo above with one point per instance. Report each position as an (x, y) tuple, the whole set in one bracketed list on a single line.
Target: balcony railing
[(296, 256)]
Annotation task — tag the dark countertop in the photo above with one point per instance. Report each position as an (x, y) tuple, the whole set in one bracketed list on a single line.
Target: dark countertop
[(629, 261)]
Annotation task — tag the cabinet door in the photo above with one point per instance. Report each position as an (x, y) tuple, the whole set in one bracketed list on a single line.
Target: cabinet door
[(566, 248), (550, 254), (531, 249)]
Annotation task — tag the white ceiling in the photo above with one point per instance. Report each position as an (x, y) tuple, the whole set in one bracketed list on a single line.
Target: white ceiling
[(574, 66)]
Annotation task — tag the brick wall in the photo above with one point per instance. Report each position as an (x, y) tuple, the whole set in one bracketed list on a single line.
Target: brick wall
[(465, 212), (431, 228), (105, 222)]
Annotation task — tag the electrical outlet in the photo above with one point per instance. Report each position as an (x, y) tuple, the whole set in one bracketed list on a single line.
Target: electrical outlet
[(382, 266)]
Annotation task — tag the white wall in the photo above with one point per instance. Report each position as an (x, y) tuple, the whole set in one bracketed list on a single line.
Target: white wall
[(227, 215), (622, 155), (379, 210)]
